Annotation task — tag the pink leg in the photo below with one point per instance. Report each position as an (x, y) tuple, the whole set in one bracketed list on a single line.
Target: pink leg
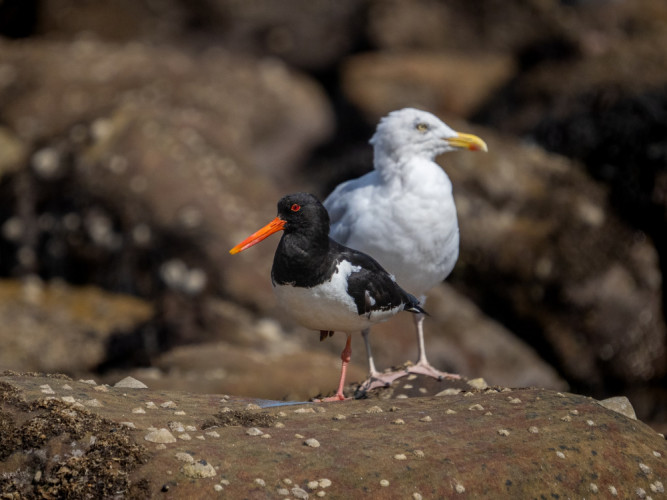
[(375, 378), (345, 356), (423, 366)]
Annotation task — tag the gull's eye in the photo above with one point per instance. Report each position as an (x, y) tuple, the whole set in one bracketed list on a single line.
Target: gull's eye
[(422, 127), (295, 208)]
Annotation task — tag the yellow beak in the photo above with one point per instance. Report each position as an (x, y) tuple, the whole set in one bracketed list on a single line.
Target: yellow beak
[(467, 141)]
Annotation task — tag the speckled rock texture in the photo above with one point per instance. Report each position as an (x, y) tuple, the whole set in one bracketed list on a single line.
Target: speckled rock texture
[(467, 443)]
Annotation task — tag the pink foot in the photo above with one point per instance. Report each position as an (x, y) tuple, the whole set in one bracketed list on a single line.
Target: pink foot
[(345, 358), (381, 380), (429, 371), (337, 397)]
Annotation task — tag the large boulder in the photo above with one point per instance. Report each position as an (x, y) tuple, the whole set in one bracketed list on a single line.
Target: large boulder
[(61, 437), (147, 164), (54, 327)]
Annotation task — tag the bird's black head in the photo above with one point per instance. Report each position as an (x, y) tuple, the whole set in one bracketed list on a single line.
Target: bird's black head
[(304, 220), (303, 213)]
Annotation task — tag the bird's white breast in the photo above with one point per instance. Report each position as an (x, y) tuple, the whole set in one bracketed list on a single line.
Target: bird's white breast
[(328, 306), (409, 226)]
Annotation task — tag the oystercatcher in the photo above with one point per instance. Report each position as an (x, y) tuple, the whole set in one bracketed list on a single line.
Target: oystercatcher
[(322, 284), (403, 214)]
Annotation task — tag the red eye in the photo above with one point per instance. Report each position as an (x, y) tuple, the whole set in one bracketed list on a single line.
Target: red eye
[(295, 208)]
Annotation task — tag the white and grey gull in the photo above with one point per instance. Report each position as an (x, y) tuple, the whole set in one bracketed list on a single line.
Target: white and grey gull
[(402, 213), (322, 284)]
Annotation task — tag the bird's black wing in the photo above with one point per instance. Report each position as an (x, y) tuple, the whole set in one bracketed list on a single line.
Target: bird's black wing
[(373, 288)]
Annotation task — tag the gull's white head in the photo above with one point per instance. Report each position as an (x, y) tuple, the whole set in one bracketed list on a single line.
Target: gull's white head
[(410, 132)]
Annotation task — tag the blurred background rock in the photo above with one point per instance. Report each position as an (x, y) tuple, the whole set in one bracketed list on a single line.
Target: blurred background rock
[(141, 139)]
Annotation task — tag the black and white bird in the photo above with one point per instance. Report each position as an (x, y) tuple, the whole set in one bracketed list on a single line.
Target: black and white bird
[(322, 284), (403, 213)]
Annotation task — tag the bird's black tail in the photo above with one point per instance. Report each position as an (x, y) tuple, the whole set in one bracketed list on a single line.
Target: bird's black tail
[(412, 304)]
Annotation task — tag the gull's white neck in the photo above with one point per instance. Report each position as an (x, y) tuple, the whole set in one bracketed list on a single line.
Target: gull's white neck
[(412, 172)]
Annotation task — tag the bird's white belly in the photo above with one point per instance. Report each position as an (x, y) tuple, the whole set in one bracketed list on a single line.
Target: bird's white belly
[(418, 244), (328, 306)]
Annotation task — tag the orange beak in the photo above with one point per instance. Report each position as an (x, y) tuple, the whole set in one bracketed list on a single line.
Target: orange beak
[(274, 226)]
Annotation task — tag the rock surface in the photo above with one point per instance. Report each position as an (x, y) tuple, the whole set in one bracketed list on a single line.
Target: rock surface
[(487, 443), (141, 139)]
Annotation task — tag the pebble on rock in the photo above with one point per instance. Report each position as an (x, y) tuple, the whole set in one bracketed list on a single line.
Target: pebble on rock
[(448, 392), (478, 383), (185, 457), (160, 436), (176, 426), (199, 469), (130, 383), (620, 404), (299, 493)]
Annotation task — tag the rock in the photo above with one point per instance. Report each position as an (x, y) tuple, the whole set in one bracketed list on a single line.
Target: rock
[(58, 327), (478, 383), (531, 448), (160, 436), (436, 26), (265, 371), (184, 457), (450, 83), (312, 443), (123, 136), (602, 102), (162, 151), (139, 144), (312, 36), (130, 383), (597, 300), (620, 404), (198, 469), (14, 152)]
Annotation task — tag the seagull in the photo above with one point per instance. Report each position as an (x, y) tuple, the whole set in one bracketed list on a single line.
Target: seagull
[(403, 214), (322, 284)]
